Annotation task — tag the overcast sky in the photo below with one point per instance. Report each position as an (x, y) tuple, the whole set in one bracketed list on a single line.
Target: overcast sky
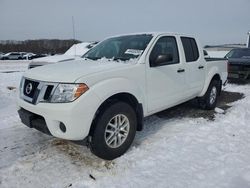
[(213, 21)]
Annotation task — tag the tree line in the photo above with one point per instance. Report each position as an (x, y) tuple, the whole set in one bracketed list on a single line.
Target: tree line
[(41, 46)]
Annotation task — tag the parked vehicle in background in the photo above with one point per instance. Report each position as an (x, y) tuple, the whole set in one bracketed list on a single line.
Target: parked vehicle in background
[(1, 55), (80, 49), (239, 63), (39, 56), (105, 95), (29, 56), (73, 53), (13, 56)]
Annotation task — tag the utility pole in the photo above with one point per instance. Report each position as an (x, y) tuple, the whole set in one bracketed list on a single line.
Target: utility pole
[(74, 33)]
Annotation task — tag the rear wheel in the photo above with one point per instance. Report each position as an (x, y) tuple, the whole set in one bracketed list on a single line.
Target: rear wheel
[(114, 131), (209, 100)]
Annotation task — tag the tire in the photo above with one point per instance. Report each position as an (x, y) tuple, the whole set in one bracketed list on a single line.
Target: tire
[(108, 141), (209, 100)]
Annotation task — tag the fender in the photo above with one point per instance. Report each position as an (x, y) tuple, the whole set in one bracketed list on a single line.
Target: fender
[(109, 87), (213, 71)]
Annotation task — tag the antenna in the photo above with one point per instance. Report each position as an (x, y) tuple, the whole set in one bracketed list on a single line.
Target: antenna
[(74, 34)]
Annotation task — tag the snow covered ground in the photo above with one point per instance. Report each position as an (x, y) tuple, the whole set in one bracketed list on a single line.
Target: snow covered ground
[(170, 152), (217, 54)]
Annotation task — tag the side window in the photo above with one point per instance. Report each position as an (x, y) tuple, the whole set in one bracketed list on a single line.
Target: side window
[(190, 49), (164, 52)]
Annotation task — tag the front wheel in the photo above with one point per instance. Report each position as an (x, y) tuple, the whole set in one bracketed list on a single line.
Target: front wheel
[(209, 100), (114, 131)]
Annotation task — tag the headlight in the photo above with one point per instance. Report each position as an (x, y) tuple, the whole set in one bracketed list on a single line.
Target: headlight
[(68, 92)]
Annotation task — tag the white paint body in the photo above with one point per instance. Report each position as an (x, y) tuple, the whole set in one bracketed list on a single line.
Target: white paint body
[(156, 88)]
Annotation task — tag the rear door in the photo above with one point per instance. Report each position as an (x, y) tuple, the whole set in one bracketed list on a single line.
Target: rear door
[(194, 66), (165, 80)]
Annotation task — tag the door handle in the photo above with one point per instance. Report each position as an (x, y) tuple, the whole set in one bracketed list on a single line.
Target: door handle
[(180, 70), (200, 67)]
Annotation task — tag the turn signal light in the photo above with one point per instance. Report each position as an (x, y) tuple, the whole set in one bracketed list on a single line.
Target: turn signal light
[(82, 88)]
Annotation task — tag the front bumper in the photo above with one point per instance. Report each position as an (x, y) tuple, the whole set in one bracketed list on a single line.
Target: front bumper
[(238, 75), (76, 116), (33, 121), (238, 71)]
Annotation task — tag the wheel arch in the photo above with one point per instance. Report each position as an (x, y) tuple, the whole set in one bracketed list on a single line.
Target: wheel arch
[(218, 78), (123, 97), (211, 77)]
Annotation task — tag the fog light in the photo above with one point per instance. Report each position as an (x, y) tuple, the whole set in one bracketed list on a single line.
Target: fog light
[(62, 127)]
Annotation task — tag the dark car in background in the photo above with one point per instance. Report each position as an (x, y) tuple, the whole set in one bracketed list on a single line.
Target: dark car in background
[(239, 63)]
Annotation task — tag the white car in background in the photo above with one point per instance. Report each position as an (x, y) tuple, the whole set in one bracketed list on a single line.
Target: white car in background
[(73, 53), (29, 56), (1, 55), (13, 56)]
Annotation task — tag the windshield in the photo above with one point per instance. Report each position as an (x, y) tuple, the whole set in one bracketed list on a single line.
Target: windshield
[(239, 53), (120, 48)]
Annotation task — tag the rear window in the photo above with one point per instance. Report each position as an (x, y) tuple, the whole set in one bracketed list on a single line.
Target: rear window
[(190, 49)]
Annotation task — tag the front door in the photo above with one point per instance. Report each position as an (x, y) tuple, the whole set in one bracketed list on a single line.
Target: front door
[(165, 75)]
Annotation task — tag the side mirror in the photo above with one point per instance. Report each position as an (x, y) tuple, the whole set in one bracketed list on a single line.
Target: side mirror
[(163, 59)]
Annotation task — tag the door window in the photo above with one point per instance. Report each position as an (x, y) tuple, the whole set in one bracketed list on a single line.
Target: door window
[(164, 52), (190, 49)]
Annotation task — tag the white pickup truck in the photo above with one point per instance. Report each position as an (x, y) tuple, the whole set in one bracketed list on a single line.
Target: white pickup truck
[(104, 97)]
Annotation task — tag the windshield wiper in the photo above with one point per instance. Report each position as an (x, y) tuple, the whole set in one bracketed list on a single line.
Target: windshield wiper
[(93, 58), (120, 58)]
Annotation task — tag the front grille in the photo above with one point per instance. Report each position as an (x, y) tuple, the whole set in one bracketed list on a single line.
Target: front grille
[(35, 91), (30, 88), (48, 92), (235, 68)]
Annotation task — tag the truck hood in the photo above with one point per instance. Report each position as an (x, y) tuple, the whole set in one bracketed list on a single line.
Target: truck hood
[(239, 61), (69, 72), (54, 59)]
